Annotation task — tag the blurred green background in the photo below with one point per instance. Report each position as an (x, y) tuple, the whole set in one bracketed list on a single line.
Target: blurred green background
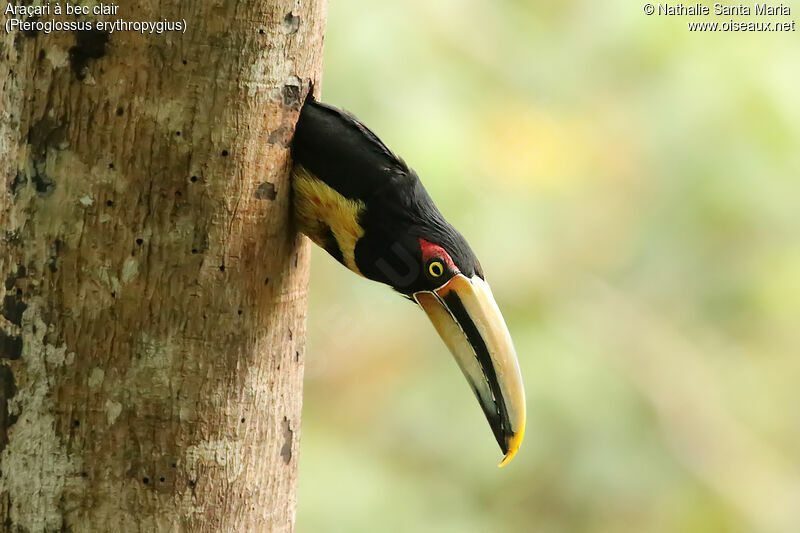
[(633, 192)]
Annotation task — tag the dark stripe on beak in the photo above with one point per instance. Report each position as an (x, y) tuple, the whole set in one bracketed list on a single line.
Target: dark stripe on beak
[(467, 318), (498, 417)]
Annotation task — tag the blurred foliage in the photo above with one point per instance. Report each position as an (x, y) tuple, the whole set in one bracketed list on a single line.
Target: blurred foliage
[(632, 192)]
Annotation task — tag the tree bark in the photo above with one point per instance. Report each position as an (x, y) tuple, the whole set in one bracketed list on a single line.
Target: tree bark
[(153, 290)]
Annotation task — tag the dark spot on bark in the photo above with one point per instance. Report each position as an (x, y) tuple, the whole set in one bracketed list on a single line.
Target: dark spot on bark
[(291, 334), (290, 23), (110, 203), (224, 153), (145, 480), (162, 479), (42, 55), (31, 33), (177, 134), (266, 281), (286, 449), (19, 181), (199, 243), (8, 388), (178, 193), (84, 474), (113, 294), (222, 268), (47, 133), (89, 45), (10, 346), (266, 191), (55, 251), (76, 423), (184, 61), (282, 135), (12, 279), (192, 483), (291, 95), (139, 241), (44, 135), (261, 31), (296, 357), (193, 179), (242, 420), (12, 237), (296, 257), (120, 111), (13, 307), (111, 165), (44, 184), (239, 312)]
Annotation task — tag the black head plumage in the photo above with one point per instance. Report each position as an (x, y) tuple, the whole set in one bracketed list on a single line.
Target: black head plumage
[(399, 216)]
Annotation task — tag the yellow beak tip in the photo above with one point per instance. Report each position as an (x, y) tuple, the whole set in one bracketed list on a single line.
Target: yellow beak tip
[(513, 447), (512, 451), (506, 460)]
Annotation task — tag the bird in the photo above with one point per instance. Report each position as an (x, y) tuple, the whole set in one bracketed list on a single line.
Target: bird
[(361, 203)]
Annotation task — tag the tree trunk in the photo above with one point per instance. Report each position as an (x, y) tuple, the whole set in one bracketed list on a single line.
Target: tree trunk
[(153, 290)]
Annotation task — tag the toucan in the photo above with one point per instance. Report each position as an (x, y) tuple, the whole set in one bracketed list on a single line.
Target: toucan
[(356, 199)]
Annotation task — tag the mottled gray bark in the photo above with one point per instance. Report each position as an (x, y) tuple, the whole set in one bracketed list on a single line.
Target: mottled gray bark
[(153, 290)]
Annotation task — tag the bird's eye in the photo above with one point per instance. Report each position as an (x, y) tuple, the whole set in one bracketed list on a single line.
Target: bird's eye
[(436, 269)]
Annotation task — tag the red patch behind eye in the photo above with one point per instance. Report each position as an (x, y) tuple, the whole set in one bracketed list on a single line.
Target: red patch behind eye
[(431, 251)]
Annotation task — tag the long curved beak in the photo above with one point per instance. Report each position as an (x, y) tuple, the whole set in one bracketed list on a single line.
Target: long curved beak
[(466, 316)]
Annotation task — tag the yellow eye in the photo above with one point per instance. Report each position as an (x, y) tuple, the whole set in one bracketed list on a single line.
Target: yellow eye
[(436, 269)]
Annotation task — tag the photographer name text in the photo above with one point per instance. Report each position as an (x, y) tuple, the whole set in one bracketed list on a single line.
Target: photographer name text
[(742, 10)]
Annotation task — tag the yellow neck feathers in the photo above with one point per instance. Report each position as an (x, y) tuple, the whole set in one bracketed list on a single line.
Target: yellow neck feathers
[(320, 212)]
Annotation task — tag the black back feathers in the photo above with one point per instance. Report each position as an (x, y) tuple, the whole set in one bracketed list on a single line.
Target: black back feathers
[(341, 151)]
